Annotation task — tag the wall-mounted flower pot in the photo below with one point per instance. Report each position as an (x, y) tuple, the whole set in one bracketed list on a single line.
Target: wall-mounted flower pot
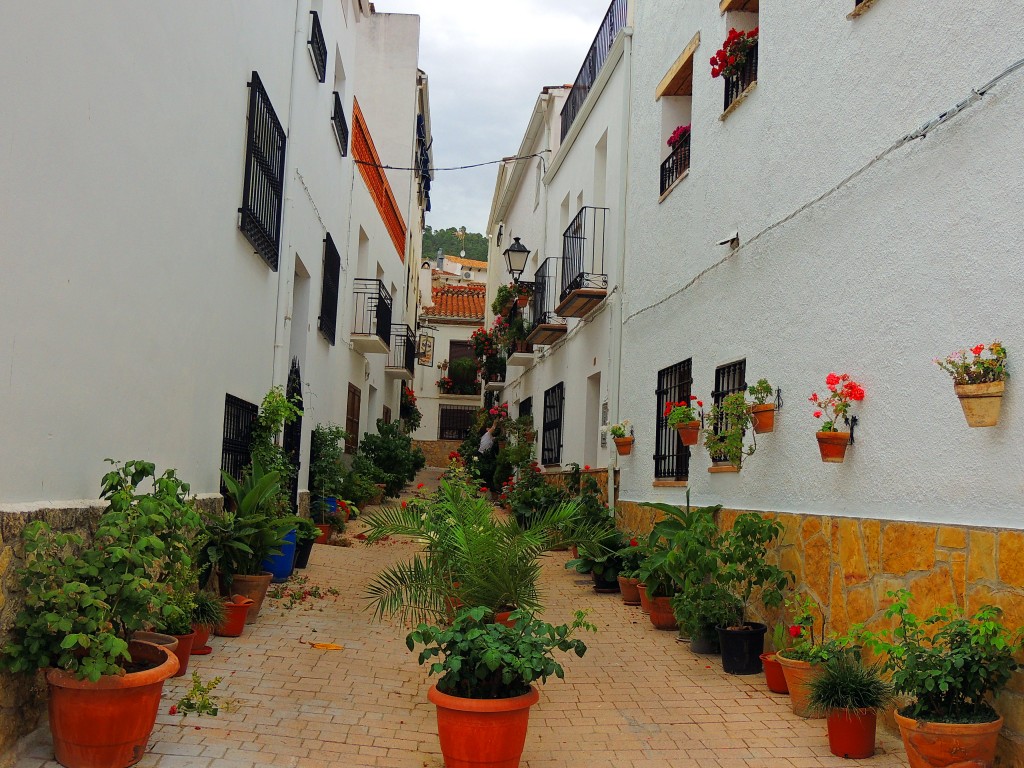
[(981, 402), (722, 466), (624, 445), (832, 446), (689, 432), (763, 417), (522, 301), (943, 744)]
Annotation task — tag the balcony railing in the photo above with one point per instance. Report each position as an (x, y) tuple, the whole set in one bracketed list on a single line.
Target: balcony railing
[(317, 47), (676, 164), (584, 281), (340, 125), (548, 327), (734, 86), (373, 316), (402, 357), (614, 20)]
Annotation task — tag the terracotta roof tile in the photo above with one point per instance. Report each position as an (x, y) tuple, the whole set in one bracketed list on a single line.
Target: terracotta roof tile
[(471, 263), (463, 302)]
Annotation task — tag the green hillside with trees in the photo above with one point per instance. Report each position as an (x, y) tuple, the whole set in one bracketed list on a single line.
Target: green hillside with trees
[(453, 240)]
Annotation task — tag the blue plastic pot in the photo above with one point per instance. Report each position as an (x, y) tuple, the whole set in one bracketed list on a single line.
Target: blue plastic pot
[(282, 565)]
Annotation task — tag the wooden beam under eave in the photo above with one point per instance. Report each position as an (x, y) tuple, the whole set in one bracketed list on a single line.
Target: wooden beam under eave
[(738, 5), (678, 81)]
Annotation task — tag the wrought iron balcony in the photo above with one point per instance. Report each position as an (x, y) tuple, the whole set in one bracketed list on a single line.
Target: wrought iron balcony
[(584, 281), (734, 86), (548, 327), (317, 47), (402, 357), (340, 125), (614, 20), (371, 331), (676, 164)]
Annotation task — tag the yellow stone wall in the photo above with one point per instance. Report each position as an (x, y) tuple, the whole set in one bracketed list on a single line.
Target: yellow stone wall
[(847, 565), (436, 451)]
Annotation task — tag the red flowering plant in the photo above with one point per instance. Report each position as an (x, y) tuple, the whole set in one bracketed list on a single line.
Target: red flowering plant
[(805, 645), (843, 392), (631, 556), (683, 411), (976, 369), (728, 61), (681, 132), (445, 384)]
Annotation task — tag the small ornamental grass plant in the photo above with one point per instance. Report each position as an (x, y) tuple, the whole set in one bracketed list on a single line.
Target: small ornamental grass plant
[(477, 659), (843, 392), (976, 369), (848, 684)]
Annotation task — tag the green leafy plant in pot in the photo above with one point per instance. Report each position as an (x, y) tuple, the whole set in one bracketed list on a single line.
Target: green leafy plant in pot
[(950, 665), (85, 599), (306, 533), (743, 554), (849, 693), (599, 556), (207, 613), (729, 423), (762, 412), (802, 661), (326, 470), (484, 693)]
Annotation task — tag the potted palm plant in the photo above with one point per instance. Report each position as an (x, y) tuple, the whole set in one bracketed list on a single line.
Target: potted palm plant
[(685, 419), (762, 412), (484, 693), (850, 693), (950, 665), (979, 382), (83, 602)]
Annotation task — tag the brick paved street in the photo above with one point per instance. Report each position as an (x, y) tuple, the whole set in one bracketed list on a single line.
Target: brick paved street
[(638, 699)]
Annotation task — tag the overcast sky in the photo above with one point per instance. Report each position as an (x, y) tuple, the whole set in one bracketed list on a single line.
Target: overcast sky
[(487, 61)]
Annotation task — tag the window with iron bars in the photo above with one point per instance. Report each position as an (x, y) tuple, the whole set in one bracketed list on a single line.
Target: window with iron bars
[(729, 379), (526, 407), (236, 443), (262, 199), (455, 422), (328, 323), (554, 406), (671, 457), (317, 47)]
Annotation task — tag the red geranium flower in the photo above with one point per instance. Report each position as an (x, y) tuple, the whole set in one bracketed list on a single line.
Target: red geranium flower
[(978, 349), (796, 630)]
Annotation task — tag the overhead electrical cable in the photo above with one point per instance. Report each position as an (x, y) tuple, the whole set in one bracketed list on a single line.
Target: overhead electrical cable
[(454, 167)]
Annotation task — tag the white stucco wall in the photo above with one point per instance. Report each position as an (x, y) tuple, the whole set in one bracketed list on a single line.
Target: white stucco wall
[(915, 257)]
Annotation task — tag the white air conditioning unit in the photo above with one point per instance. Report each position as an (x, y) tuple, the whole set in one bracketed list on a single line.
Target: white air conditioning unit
[(468, 275)]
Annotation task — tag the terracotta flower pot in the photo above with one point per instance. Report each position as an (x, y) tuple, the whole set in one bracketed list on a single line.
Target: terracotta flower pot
[(689, 432), (325, 533), (199, 645), (482, 732), (662, 615), (522, 301), (183, 652), (253, 587), (645, 601), (107, 724), (630, 591), (773, 674), (851, 734), (624, 445), (170, 642), (763, 417), (502, 617), (799, 675), (832, 446), (948, 744), (981, 402), (237, 609)]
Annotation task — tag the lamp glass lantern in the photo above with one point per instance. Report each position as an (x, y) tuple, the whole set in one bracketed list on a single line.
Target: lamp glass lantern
[(515, 259)]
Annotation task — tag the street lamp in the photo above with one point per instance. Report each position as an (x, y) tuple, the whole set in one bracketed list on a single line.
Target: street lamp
[(515, 259)]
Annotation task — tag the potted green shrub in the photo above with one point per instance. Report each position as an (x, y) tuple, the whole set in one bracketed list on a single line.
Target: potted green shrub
[(743, 553), (599, 556), (630, 557), (950, 665), (724, 439), (207, 613), (685, 419), (486, 671), (326, 472), (849, 693), (85, 599), (762, 412)]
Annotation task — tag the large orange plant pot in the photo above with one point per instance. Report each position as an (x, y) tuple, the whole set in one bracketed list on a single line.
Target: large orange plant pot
[(799, 675), (981, 402), (253, 587), (689, 432), (107, 724), (762, 417), (851, 734), (236, 612), (832, 446), (482, 732), (630, 590), (930, 745), (662, 615)]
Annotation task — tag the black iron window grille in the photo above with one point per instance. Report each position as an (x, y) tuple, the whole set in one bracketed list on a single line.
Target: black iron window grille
[(545, 293), (292, 436), (373, 309), (455, 422), (554, 406), (614, 20), (729, 379), (329, 290), (734, 86), (583, 251), (671, 457), (526, 407), (340, 125), (236, 444), (317, 47), (676, 164), (352, 408), (262, 193), (403, 348)]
